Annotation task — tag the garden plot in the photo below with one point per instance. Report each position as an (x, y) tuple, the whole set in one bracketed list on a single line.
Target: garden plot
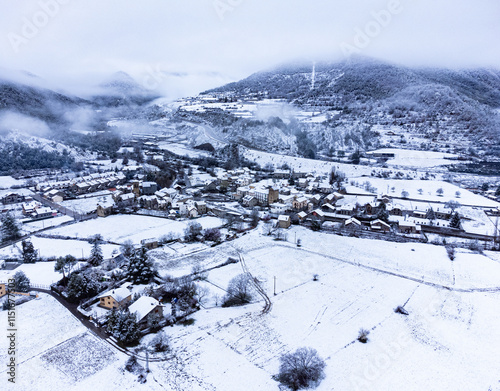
[(177, 263), (476, 221), (80, 356), (119, 228), (42, 324)]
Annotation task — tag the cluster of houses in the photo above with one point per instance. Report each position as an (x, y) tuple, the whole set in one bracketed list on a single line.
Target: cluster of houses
[(147, 196), (56, 191), (144, 307)]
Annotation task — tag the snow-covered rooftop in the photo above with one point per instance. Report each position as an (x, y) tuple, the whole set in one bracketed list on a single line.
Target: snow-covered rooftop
[(118, 294), (143, 306)]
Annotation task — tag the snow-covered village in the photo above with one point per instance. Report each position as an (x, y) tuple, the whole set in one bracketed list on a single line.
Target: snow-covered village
[(329, 225)]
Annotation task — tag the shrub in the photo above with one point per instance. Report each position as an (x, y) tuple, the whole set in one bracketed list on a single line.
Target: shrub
[(192, 231), (212, 235), (301, 369), (450, 250), (400, 310), (22, 283), (198, 273), (363, 335), (161, 342), (132, 365)]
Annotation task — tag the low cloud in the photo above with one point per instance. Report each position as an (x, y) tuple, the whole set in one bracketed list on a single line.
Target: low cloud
[(10, 121)]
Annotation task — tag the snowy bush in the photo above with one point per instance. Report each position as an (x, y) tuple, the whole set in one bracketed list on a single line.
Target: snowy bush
[(22, 283), (198, 273), (132, 365), (363, 335), (212, 235), (450, 250), (192, 231), (161, 342)]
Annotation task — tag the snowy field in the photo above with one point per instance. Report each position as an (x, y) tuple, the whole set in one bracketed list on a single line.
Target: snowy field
[(182, 150), (447, 342), (42, 224), (119, 228), (429, 191), (319, 167), (57, 248), (412, 158), (56, 352), (7, 182), (40, 273), (87, 205)]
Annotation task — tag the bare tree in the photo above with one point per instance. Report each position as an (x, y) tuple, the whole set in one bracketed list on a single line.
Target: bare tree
[(301, 369), (239, 290)]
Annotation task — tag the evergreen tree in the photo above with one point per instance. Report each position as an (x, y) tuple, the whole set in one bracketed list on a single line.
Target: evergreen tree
[(64, 265), (28, 252), (124, 327), (141, 269), (431, 215), (154, 321), (82, 286), (96, 257), (382, 213), (22, 283), (355, 157), (455, 220), (10, 229)]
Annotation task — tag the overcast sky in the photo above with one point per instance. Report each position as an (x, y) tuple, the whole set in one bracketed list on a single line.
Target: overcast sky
[(184, 46)]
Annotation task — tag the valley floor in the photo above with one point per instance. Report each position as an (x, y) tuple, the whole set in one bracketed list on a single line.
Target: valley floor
[(447, 342)]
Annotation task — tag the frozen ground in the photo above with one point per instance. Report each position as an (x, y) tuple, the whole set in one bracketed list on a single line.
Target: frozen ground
[(119, 228)]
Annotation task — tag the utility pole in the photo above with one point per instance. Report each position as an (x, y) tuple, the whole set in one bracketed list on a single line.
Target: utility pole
[(274, 285), (147, 360)]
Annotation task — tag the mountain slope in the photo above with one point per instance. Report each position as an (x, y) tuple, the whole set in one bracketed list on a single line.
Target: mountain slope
[(448, 106), (36, 102), (122, 90)]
